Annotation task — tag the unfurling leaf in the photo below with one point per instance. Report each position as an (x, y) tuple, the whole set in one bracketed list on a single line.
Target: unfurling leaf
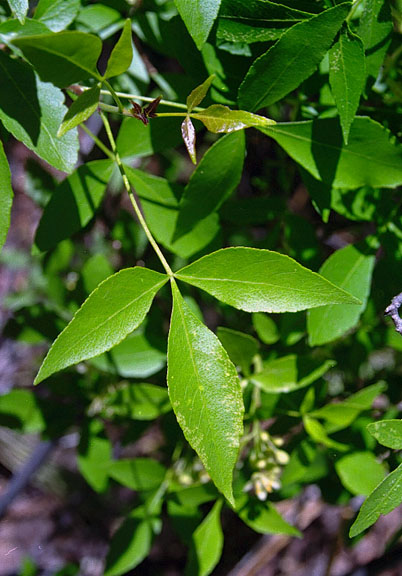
[(198, 94), (218, 118), (114, 309), (262, 281), (189, 137), (205, 393)]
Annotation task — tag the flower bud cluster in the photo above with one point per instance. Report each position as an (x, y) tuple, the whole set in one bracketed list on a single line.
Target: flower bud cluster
[(266, 460)]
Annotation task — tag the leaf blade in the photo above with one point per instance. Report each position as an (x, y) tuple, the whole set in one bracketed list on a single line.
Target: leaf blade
[(6, 196), (33, 111), (80, 110), (291, 60), (207, 544), (62, 58), (351, 269), (113, 310), (260, 281), (218, 118), (122, 54), (347, 76), (213, 181), (20, 8), (205, 393), (198, 19), (386, 497), (372, 158), (387, 432)]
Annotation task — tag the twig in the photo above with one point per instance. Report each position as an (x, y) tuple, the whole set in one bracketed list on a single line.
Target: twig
[(392, 311)]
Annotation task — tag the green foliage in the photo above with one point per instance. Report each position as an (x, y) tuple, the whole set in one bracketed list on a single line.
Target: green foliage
[(6, 196), (256, 406)]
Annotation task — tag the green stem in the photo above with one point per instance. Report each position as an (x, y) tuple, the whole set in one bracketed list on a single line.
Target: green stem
[(133, 200), (150, 99), (98, 142), (115, 96)]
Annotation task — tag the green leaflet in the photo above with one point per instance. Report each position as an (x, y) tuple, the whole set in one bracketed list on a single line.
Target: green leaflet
[(375, 29), (198, 17), (291, 60), (62, 58), (240, 347), (205, 393), (135, 357), (261, 281), (138, 401), (207, 544), (95, 452), (350, 268), (114, 309), (122, 53), (212, 182), (386, 497), (266, 328), (218, 118), (263, 517), (387, 432), (57, 14), (130, 545), (290, 373), (318, 433), (372, 158), (10, 29), (161, 209), (347, 76), (197, 95), (20, 8), (137, 473), (340, 415), (6, 196), (80, 110), (349, 469), (77, 198), (33, 111), (256, 20)]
